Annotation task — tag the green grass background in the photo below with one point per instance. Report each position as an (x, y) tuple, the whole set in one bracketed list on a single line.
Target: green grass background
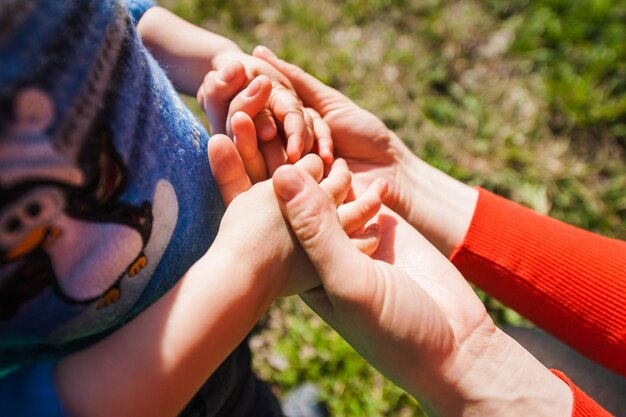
[(523, 97)]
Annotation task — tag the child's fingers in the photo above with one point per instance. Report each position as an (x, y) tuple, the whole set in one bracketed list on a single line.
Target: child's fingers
[(251, 100), (354, 215), (244, 136), (216, 91), (228, 169), (323, 136), (338, 181), (274, 154), (265, 125), (368, 241)]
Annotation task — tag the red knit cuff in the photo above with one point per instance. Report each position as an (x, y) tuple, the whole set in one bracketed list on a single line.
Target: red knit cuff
[(584, 406)]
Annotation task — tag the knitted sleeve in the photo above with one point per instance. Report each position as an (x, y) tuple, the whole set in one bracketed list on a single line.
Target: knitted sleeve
[(583, 405), (568, 281), (138, 7)]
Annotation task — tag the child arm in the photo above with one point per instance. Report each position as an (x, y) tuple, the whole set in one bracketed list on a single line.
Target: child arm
[(188, 53), (154, 364)]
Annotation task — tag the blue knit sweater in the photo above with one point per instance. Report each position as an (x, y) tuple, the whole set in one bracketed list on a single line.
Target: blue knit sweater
[(106, 193)]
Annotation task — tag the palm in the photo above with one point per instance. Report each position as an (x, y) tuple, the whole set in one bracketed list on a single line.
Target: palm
[(369, 148), (405, 248)]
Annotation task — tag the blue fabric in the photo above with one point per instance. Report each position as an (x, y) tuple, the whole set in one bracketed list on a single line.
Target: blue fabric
[(107, 195), (30, 392), (138, 7)]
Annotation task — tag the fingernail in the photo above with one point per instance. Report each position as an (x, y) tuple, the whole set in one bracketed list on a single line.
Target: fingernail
[(267, 51), (227, 73), (290, 183), (253, 88)]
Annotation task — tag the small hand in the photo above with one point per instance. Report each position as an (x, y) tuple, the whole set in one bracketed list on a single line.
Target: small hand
[(253, 224), (283, 111), (439, 206), (370, 149)]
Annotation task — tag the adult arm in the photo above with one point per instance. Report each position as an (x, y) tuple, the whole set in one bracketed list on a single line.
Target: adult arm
[(567, 280), (417, 321), (440, 207)]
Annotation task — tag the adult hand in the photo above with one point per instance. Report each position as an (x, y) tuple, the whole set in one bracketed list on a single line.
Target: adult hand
[(253, 224), (412, 315), (437, 205)]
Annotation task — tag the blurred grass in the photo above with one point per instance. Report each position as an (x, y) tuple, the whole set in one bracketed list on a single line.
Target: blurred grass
[(525, 97)]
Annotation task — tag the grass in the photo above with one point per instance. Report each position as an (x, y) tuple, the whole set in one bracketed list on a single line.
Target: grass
[(525, 97)]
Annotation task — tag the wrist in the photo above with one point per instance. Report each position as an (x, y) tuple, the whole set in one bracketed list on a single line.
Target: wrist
[(226, 56), (437, 205), (492, 374), (248, 277)]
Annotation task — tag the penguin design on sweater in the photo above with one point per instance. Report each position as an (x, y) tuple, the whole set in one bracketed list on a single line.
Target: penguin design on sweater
[(62, 225)]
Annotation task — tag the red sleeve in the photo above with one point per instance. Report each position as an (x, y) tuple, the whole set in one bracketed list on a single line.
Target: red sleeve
[(583, 405), (568, 281)]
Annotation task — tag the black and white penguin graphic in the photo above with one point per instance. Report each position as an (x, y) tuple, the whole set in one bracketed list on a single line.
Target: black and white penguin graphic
[(62, 226)]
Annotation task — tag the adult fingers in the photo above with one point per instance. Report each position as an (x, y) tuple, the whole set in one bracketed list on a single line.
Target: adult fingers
[(265, 125), (313, 220), (323, 136), (228, 169), (289, 111), (274, 154), (313, 92), (309, 138), (216, 92)]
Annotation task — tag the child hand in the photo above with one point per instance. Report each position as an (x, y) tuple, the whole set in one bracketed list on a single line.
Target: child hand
[(264, 238), (282, 112), (235, 185)]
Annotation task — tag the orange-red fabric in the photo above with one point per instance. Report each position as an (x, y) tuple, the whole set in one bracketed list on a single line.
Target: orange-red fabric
[(568, 281), (583, 405)]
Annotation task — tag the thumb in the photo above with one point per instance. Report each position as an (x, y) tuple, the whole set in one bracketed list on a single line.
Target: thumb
[(312, 92), (314, 221)]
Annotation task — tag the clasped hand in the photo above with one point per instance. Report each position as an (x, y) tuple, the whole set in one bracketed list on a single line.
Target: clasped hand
[(385, 288)]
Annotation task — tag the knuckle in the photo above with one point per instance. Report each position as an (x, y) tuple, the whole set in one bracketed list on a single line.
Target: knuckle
[(307, 224)]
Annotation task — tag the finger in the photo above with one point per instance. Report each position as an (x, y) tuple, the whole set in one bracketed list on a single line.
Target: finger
[(244, 136), (295, 130), (288, 110), (265, 124), (368, 241), (337, 183), (228, 169), (313, 165), (251, 100), (216, 92), (309, 138), (354, 215), (311, 91), (314, 221), (323, 136), (274, 154)]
